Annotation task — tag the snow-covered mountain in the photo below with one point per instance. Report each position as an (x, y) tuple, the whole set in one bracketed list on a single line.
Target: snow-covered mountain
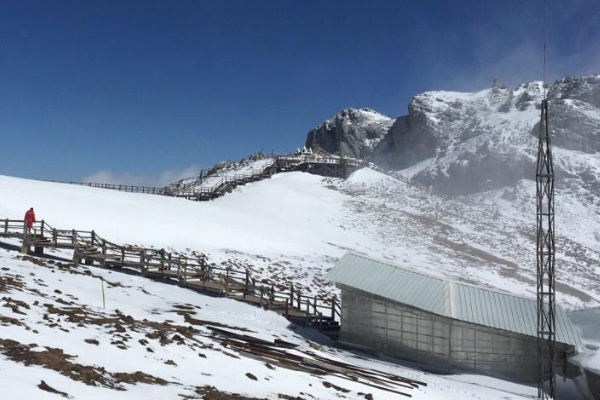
[(478, 150), (462, 143)]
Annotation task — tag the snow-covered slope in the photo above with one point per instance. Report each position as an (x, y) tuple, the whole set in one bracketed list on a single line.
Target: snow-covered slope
[(287, 229), (156, 341), (294, 226)]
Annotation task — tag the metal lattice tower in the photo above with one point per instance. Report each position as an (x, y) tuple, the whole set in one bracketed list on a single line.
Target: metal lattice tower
[(545, 261)]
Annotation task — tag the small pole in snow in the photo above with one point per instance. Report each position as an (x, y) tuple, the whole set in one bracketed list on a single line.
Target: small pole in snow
[(103, 296)]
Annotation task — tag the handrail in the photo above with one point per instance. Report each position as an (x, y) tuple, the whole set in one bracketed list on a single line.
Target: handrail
[(86, 242), (227, 181)]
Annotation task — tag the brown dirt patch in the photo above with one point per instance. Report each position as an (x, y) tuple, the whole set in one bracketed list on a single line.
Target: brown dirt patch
[(57, 360), (47, 388), (193, 321), (212, 393), (10, 282)]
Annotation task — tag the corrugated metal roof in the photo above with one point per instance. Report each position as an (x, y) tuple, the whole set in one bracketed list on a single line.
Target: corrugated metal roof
[(444, 297)]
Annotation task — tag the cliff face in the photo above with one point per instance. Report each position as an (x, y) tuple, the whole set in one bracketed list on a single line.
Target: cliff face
[(351, 133)]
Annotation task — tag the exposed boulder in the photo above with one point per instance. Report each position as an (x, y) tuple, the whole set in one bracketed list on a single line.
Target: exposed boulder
[(350, 133)]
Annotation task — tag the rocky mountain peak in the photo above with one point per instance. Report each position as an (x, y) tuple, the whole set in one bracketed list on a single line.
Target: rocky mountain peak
[(585, 89), (350, 133), (470, 142)]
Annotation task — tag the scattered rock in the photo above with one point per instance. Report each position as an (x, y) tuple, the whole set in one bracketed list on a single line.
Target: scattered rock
[(44, 386), (56, 360), (330, 385), (286, 397), (212, 393)]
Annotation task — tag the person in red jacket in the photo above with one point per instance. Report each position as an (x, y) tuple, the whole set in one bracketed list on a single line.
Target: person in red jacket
[(29, 219)]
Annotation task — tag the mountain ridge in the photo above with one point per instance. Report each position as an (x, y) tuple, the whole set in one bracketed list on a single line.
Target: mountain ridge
[(456, 142)]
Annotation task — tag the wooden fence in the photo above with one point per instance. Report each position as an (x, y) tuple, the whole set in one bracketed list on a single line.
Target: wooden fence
[(196, 272), (327, 166)]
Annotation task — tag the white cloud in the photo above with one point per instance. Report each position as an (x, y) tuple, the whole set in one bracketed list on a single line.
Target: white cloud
[(160, 180)]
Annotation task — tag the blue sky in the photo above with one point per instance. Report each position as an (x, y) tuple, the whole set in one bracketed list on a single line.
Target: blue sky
[(146, 91)]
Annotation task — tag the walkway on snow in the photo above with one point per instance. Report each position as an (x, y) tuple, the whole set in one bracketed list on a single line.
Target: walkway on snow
[(191, 272), (319, 165)]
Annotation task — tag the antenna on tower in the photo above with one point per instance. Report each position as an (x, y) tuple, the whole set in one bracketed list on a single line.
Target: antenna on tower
[(545, 251)]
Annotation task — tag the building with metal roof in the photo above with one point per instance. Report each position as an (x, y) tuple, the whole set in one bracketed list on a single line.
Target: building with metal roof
[(446, 324)]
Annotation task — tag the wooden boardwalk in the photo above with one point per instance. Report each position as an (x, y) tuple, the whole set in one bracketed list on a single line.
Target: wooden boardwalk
[(191, 272), (315, 164)]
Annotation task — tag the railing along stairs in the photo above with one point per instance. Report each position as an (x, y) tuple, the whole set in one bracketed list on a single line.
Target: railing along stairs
[(312, 163), (194, 272)]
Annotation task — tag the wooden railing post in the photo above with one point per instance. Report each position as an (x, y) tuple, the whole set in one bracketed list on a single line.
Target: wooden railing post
[(76, 253), (246, 283), (6, 226), (185, 270), (262, 294), (287, 302), (227, 282), (272, 297), (144, 267), (103, 252), (333, 307), (320, 322), (54, 236), (73, 237), (307, 310), (43, 226), (25, 248)]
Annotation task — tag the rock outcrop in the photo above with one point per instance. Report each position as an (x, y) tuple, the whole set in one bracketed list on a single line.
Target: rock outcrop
[(350, 133)]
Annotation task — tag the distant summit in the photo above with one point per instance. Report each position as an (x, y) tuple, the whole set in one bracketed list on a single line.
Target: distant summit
[(462, 143)]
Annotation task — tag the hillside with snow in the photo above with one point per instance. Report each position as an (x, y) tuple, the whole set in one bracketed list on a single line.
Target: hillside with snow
[(155, 340)]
